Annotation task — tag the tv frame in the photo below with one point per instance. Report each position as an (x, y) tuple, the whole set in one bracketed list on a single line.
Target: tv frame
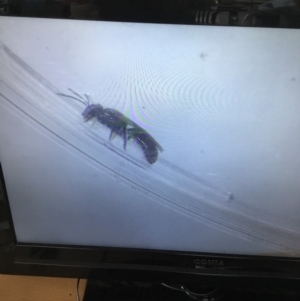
[(224, 270)]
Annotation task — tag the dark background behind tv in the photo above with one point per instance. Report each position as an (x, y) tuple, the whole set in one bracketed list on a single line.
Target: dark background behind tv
[(259, 13)]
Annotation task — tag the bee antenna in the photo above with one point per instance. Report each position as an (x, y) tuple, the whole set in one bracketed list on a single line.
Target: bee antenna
[(81, 99), (77, 94), (69, 96), (88, 98)]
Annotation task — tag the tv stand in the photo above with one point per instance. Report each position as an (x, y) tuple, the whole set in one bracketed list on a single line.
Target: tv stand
[(97, 290), (147, 291)]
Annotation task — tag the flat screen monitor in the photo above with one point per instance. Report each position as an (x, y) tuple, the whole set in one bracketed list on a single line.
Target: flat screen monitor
[(171, 139)]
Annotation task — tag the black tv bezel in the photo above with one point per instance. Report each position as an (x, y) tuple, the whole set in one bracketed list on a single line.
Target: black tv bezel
[(144, 264), (151, 265)]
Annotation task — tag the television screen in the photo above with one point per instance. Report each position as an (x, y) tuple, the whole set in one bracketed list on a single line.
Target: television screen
[(151, 136)]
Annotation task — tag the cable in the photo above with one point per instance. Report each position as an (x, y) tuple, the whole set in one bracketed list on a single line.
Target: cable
[(77, 289), (245, 18), (172, 287), (190, 293)]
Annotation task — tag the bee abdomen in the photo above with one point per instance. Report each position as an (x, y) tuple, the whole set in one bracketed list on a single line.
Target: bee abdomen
[(148, 146)]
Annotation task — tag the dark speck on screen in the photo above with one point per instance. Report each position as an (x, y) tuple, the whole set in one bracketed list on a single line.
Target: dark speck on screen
[(203, 56)]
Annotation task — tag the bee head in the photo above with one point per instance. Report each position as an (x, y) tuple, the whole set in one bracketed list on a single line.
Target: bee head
[(92, 111)]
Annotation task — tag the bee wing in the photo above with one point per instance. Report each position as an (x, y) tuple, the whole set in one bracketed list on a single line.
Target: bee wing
[(139, 129)]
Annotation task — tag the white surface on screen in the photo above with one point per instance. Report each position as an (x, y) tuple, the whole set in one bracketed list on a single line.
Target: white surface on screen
[(62, 200), (218, 99)]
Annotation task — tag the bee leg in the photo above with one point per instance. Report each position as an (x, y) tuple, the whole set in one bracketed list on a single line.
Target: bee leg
[(112, 135), (124, 134)]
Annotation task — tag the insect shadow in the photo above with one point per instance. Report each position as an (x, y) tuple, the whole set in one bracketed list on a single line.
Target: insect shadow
[(119, 125)]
